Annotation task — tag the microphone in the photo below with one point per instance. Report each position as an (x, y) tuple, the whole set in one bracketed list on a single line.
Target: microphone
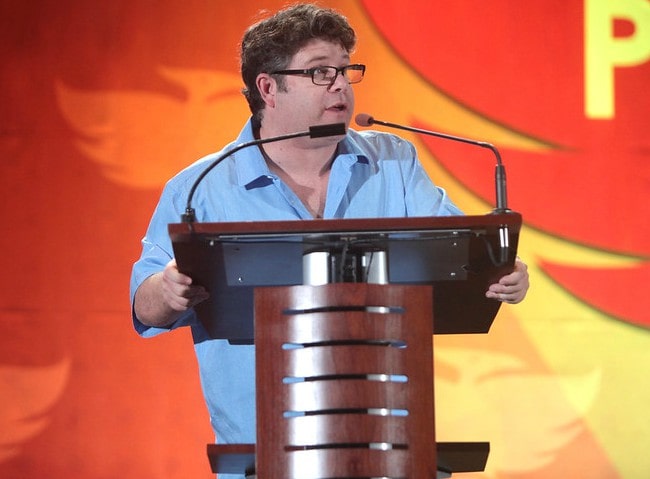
[(318, 131), (363, 119)]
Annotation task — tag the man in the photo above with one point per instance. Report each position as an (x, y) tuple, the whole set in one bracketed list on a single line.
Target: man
[(298, 73)]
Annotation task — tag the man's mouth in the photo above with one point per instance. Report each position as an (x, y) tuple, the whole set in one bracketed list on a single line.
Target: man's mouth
[(338, 107)]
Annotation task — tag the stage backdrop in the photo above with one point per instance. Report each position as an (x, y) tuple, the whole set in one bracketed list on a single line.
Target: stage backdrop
[(101, 102)]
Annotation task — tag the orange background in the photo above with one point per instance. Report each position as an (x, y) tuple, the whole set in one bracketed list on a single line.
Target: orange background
[(101, 102)]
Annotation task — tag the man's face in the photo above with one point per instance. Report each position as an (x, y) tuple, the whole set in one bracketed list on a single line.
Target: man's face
[(301, 103)]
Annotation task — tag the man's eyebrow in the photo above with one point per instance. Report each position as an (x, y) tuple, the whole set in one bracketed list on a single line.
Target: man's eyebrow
[(322, 58)]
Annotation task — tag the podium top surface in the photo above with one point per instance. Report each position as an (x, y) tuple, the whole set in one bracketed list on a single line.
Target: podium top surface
[(181, 231)]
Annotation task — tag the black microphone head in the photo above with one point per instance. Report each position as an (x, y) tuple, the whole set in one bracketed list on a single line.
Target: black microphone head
[(363, 119)]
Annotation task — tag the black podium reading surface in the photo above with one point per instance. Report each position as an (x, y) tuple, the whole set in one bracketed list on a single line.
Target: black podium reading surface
[(459, 255)]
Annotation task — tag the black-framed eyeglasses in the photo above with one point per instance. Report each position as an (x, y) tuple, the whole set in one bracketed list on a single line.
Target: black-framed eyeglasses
[(326, 75)]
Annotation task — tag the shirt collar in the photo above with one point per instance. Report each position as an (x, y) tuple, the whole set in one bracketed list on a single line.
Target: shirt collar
[(253, 172), (250, 165)]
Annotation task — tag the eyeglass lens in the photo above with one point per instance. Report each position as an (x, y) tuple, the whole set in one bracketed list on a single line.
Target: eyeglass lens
[(327, 75)]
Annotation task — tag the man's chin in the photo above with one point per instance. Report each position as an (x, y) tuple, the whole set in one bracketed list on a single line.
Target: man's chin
[(338, 116)]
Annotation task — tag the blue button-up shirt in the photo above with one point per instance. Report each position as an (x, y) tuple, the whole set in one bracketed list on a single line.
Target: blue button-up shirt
[(374, 175)]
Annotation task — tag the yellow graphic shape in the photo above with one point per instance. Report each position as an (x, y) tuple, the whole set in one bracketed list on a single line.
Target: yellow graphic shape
[(605, 53), (140, 139), (27, 395)]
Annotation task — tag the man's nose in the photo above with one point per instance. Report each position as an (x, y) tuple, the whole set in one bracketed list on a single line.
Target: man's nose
[(339, 83)]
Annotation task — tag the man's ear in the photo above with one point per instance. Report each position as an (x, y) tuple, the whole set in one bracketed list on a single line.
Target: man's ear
[(267, 87)]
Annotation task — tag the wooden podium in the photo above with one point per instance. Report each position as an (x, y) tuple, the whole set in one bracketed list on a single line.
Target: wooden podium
[(342, 314)]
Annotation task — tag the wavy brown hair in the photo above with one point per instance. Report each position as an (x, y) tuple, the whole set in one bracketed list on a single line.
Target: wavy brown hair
[(270, 44)]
